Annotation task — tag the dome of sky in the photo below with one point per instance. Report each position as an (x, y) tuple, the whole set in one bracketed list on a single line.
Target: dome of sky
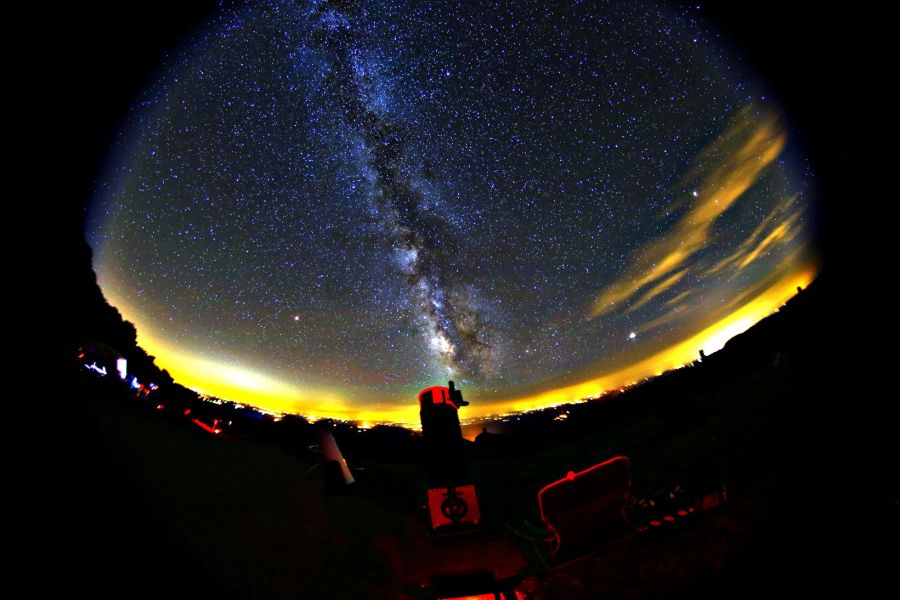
[(322, 210)]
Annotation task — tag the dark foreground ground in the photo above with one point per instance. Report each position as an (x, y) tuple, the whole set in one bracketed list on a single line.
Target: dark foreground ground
[(122, 500)]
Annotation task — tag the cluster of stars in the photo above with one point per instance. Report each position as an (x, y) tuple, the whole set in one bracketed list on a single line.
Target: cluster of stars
[(370, 196)]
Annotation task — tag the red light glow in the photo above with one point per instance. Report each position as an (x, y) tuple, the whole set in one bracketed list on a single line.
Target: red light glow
[(582, 508), (214, 428)]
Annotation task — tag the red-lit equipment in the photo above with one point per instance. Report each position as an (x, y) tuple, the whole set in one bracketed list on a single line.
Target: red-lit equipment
[(586, 510), (452, 502)]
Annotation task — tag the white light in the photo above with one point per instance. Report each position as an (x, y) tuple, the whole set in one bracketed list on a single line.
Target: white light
[(407, 257), (440, 343), (94, 367), (122, 367), (632, 335)]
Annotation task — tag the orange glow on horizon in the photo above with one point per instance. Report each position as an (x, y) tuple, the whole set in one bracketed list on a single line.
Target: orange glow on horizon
[(709, 340), (230, 382)]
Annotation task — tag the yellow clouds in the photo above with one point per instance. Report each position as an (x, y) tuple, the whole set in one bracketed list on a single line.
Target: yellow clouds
[(751, 308), (722, 172), (658, 289), (768, 233)]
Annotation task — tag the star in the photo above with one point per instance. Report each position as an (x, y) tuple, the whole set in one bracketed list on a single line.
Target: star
[(486, 191)]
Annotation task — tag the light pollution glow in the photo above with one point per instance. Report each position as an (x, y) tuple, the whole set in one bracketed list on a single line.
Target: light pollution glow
[(731, 164), (724, 171), (231, 382), (273, 291)]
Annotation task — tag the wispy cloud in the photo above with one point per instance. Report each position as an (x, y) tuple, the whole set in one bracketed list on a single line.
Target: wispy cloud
[(657, 289), (723, 171), (675, 300), (679, 311), (769, 232), (674, 313)]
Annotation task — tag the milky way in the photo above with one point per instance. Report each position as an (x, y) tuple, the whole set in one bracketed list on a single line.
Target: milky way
[(324, 207), (426, 244)]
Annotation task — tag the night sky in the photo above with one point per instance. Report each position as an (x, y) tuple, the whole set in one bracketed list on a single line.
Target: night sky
[(324, 208)]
